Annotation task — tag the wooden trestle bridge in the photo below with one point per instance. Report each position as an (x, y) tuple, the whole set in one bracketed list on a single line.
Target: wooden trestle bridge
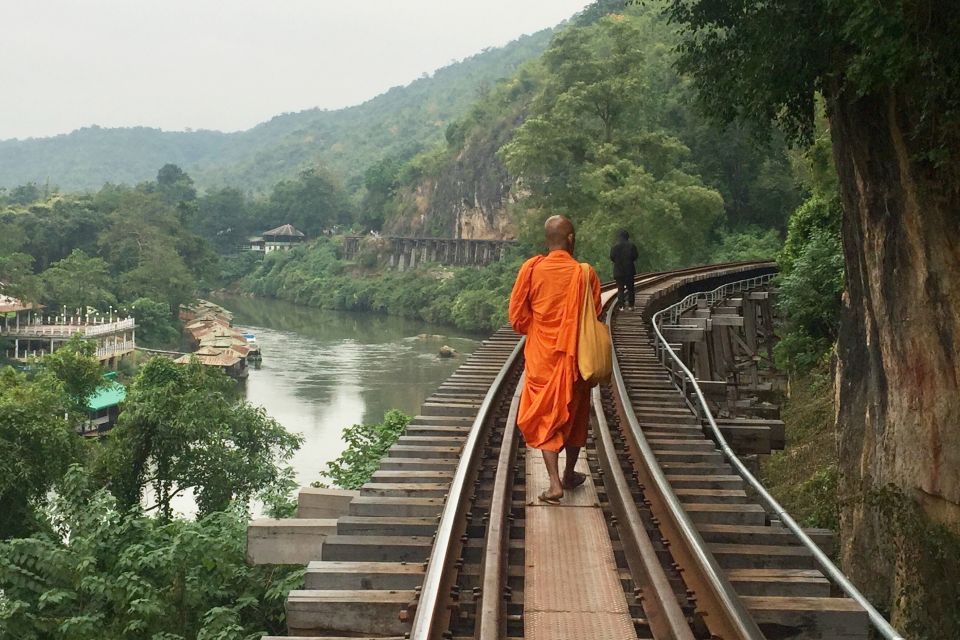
[(670, 537)]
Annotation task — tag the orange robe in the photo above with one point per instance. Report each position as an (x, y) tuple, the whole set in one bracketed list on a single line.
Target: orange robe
[(545, 306)]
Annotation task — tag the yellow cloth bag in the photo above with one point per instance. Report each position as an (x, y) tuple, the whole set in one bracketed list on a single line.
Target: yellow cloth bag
[(594, 357)]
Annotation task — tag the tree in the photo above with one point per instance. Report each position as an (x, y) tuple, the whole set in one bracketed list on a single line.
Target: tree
[(381, 180), (223, 219), (112, 574), (174, 185), (17, 277), (77, 282), (38, 441), (313, 202), (143, 243), (74, 366), (155, 327), (593, 146), (182, 428), (891, 85)]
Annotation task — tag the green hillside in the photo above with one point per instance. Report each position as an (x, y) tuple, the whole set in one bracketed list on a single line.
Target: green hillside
[(399, 123)]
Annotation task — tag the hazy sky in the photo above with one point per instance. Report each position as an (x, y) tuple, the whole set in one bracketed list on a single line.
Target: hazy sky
[(229, 64)]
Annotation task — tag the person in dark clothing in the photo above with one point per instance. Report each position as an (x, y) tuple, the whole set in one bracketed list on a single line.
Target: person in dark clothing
[(624, 255)]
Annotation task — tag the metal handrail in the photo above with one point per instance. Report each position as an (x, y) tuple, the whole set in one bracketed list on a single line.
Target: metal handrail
[(880, 623), (425, 619)]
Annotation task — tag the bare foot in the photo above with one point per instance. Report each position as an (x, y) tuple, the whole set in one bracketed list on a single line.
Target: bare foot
[(574, 481), (550, 498)]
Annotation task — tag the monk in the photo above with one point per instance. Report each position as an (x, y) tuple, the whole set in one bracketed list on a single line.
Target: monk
[(545, 306)]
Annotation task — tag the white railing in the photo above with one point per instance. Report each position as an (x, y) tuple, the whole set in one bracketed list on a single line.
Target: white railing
[(68, 330), (110, 327), (112, 349), (673, 312)]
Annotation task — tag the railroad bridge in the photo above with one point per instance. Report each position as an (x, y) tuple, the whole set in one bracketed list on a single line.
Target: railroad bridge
[(671, 536), (408, 252)]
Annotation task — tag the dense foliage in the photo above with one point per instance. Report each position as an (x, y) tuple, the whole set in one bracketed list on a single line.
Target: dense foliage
[(81, 555), (599, 128), (766, 61), (88, 254), (103, 573), (471, 299)]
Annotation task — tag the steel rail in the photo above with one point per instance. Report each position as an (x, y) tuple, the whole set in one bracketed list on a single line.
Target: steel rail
[(427, 624), (427, 621), (880, 623), (736, 621), (492, 624), (664, 615)]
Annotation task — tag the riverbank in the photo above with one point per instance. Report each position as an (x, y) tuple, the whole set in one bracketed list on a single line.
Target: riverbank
[(469, 299), (326, 370)]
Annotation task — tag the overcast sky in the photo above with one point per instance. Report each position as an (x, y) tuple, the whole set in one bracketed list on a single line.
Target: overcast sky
[(229, 64)]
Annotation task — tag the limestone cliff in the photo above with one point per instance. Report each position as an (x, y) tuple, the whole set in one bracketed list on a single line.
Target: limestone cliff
[(899, 370), (468, 193)]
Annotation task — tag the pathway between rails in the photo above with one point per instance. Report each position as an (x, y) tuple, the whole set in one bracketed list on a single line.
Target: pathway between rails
[(571, 587)]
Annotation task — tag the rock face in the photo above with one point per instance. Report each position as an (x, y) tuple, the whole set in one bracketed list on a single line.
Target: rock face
[(898, 408), (467, 197)]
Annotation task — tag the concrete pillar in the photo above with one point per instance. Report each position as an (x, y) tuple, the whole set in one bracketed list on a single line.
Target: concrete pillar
[(288, 541), (313, 502)]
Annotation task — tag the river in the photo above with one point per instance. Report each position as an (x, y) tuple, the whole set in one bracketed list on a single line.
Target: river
[(325, 370)]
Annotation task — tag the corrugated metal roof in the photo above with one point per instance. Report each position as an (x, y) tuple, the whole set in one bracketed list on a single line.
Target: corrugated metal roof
[(106, 397)]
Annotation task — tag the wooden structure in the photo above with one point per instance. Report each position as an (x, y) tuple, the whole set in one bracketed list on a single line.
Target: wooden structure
[(282, 238), (217, 343), (407, 253)]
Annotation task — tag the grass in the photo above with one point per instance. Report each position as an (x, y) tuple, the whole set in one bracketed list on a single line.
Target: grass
[(803, 477)]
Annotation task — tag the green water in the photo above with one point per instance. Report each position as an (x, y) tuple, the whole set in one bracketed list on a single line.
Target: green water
[(324, 370)]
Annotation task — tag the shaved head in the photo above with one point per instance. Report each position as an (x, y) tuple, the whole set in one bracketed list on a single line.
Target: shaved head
[(558, 233)]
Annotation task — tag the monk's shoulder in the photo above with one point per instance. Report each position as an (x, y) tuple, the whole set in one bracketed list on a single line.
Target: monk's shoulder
[(530, 262)]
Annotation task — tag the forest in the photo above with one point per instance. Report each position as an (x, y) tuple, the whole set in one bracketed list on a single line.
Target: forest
[(399, 122), (823, 136)]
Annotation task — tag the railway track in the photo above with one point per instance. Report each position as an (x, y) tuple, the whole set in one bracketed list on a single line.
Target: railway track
[(666, 539)]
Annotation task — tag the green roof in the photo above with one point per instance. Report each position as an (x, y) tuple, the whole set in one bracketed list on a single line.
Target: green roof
[(108, 396)]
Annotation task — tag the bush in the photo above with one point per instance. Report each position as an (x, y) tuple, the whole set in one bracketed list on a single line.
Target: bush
[(471, 299), (366, 445), (811, 285), (750, 244)]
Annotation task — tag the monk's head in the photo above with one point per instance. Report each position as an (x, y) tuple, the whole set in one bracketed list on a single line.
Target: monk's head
[(558, 233)]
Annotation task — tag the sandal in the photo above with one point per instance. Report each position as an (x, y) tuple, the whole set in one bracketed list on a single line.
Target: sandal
[(578, 479), (543, 497)]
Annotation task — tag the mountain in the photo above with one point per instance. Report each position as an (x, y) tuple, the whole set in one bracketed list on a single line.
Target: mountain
[(400, 122)]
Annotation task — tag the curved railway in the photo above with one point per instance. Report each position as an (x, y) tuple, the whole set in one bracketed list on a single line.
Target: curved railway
[(671, 537)]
